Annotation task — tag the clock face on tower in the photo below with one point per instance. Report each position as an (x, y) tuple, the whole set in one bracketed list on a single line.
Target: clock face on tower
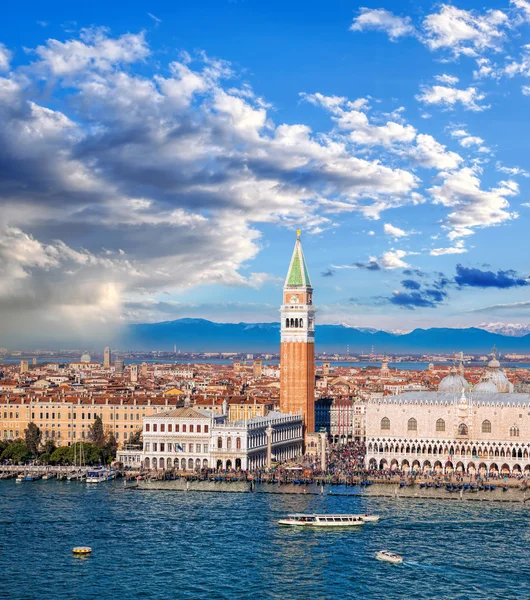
[(294, 299)]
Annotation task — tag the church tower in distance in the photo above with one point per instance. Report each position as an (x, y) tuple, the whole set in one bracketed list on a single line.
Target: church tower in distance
[(297, 354)]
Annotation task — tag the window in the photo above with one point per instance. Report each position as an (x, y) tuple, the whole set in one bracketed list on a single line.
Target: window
[(111, 416), (219, 442), (190, 448), (177, 428), (155, 447), (191, 428), (412, 425), (462, 429), (162, 447), (184, 428), (162, 427), (238, 443), (440, 425), (154, 426), (486, 426), (205, 448), (229, 443), (147, 427), (198, 428), (514, 431), (206, 429), (170, 427), (385, 423)]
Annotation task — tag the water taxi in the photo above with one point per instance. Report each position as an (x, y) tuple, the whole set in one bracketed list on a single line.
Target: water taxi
[(388, 556), (97, 475), (368, 518), (315, 520)]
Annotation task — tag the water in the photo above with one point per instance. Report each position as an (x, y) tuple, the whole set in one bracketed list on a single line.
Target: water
[(162, 545)]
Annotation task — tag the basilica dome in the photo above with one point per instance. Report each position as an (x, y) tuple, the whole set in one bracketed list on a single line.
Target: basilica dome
[(486, 387), (453, 382), (86, 358), (494, 379)]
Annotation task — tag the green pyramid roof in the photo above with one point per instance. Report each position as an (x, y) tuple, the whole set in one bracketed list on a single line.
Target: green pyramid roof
[(298, 275)]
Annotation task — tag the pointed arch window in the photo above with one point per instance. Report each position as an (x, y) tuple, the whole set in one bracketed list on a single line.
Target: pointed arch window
[(412, 425), (514, 431), (462, 429), (385, 423), (486, 426), (440, 425)]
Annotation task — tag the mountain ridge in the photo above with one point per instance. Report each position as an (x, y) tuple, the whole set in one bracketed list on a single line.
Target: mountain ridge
[(195, 335)]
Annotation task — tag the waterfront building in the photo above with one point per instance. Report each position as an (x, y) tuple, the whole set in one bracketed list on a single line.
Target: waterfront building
[(189, 438), (255, 443), (457, 428), (297, 352)]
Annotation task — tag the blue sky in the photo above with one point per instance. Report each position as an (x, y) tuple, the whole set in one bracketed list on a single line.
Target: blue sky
[(155, 161)]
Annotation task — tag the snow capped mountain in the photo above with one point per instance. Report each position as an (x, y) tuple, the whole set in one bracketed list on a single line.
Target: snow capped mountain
[(508, 329), (373, 329)]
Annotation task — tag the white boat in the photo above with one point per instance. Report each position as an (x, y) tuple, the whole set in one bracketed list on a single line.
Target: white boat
[(369, 518), (315, 520), (96, 475), (388, 556), (19, 479)]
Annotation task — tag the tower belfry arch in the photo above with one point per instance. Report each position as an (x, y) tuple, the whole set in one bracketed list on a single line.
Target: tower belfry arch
[(297, 353)]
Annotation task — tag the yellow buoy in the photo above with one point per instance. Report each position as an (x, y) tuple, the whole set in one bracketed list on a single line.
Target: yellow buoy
[(82, 550)]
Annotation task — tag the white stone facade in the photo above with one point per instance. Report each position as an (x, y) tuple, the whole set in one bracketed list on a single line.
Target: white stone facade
[(244, 444), (189, 439), (449, 431)]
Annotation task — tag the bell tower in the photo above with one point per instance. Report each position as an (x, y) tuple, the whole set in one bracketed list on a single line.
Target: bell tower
[(297, 353)]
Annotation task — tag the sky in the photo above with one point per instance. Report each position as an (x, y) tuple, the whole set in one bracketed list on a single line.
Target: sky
[(156, 159)]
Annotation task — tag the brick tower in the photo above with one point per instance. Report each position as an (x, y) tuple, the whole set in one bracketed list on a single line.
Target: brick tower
[(297, 354)]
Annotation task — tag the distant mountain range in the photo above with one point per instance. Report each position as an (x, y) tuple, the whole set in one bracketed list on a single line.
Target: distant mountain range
[(202, 335)]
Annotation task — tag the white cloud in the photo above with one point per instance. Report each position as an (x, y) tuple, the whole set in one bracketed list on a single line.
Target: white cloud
[(468, 141), (350, 118), (471, 206), (432, 155), (526, 90), (523, 6), (395, 231), (383, 20), (447, 79), (512, 170), (449, 96), (458, 248), (465, 32), (5, 58), (393, 259), (95, 50)]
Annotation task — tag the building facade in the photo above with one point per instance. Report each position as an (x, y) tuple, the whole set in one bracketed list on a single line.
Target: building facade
[(457, 428), (297, 352), (188, 439)]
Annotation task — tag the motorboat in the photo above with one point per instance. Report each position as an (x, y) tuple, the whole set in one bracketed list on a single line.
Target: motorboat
[(316, 520), (388, 556), (19, 479), (369, 518), (97, 475)]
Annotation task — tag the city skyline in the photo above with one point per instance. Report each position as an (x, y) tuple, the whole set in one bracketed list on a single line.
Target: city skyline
[(158, 169)]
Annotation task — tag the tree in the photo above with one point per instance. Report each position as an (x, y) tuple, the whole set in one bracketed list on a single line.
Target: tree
[(136, 439), (16, 452), (96, 433), (50, 446), (33, 437), (108, 452), (62, 456)]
